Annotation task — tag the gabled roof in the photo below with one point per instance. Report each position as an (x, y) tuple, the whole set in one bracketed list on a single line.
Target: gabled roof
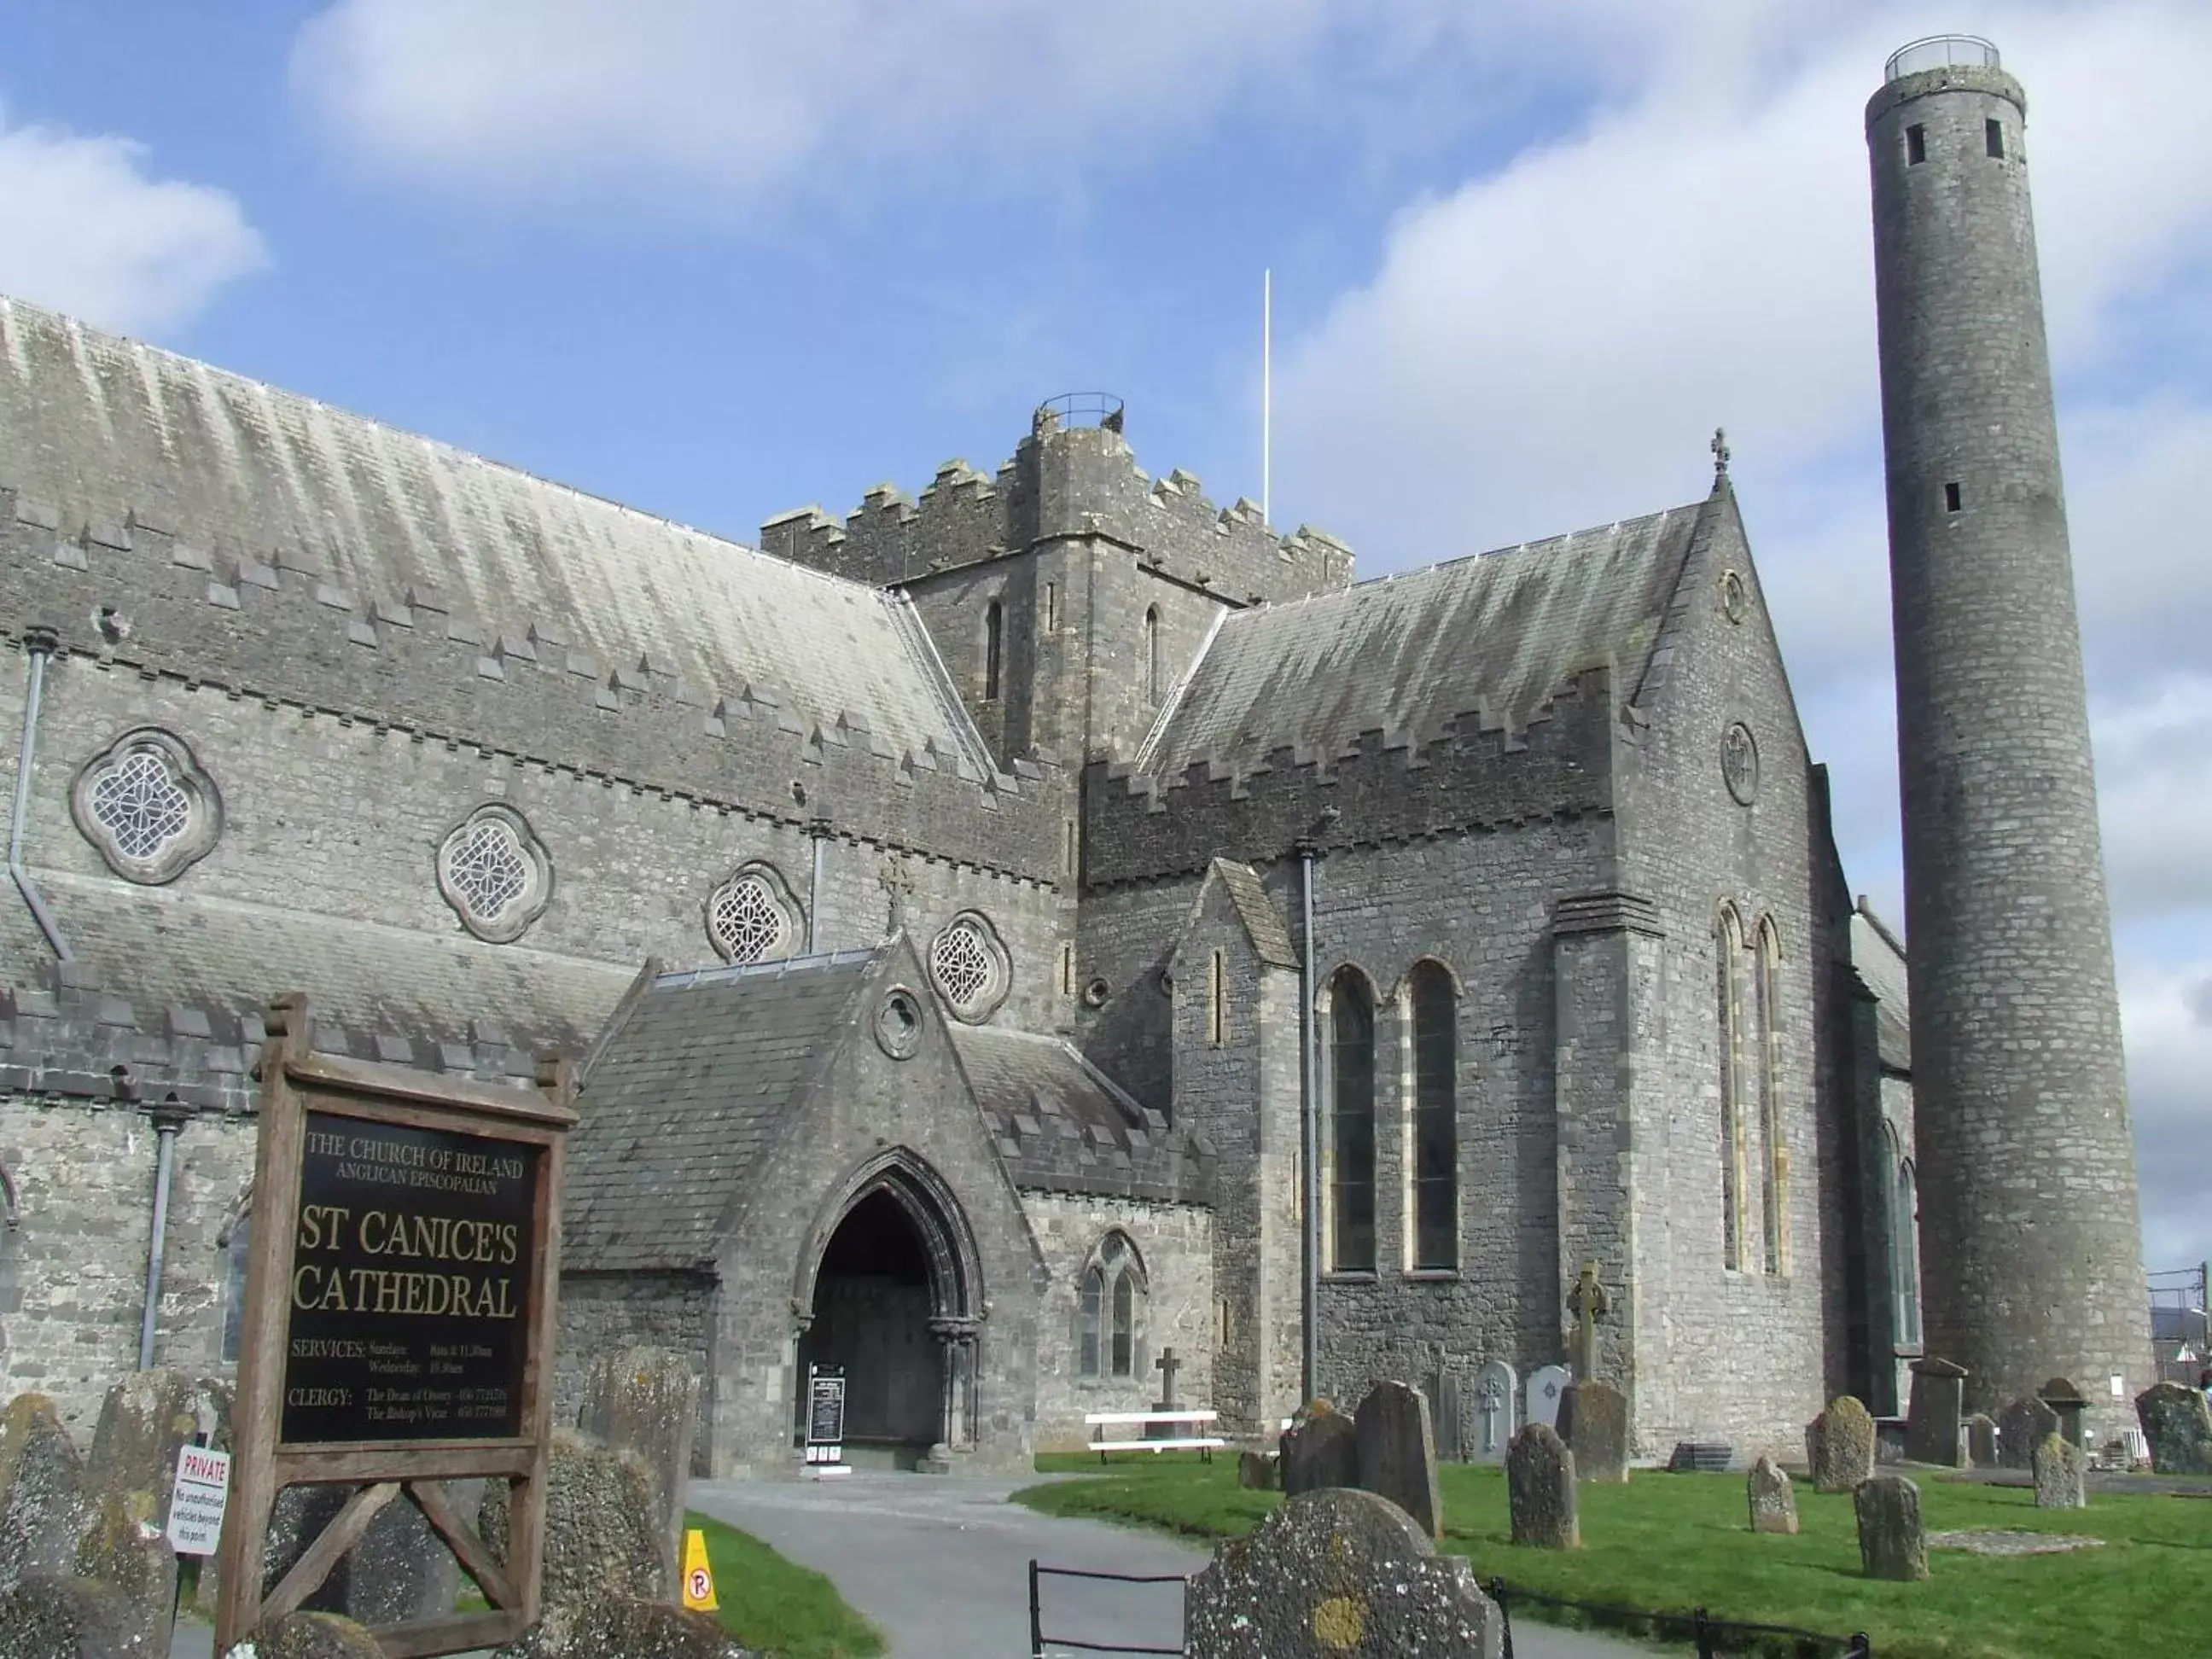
[(683, 1096), (1497, 633), (1879, 955), (1063, 1125), (100, 431), (1263, 919)]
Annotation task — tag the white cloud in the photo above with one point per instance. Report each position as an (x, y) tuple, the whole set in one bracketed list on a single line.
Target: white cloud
[(2169, 1017), (91, 233)]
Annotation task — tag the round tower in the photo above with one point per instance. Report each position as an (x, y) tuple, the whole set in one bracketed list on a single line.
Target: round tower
[(2030, 1235)]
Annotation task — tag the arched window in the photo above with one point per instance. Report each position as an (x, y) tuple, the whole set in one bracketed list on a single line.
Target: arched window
[(1217, 999), (1728, 990), (1435, 1163), (1109, 1312), (1352, 1122), (1905, 1253), (1774, 1165), (994, 631), (1152, 652), (1094, 1298), (1125, 1325)]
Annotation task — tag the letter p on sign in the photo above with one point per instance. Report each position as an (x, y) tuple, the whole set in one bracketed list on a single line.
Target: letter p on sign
[(698, 1577)]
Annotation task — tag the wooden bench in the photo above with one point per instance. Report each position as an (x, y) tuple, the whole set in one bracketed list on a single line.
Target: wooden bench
[(1204, 1444)]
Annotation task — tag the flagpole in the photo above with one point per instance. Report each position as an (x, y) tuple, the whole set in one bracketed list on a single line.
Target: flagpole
[(1267, 388)]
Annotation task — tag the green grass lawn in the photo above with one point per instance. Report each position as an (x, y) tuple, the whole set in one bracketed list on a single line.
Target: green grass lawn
[(1675, 1541), (777, 1606)]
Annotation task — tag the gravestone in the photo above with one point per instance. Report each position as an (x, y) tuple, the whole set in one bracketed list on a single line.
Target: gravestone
[(2022, 1423), (1255, 1471), (1773, 1499), (2061, 1475), (2177, 1424), (40, 1478), (1816, 1443), (646, 1401), (1397, 1448), (602, 1524), (310, 1636), (2068, 1402), (145, 1420), (625, 1626), (1982, 1441), (112, 1550), (1496, 1411), (1845, 1455), (1589, 1302), (1539, 1490), (1892, 1542), (51, 1616), (400, 1570), (1338, 1574), (1321, 1452), (1451, 1407), (1594, 1422), (1541, 1403), (1931, 1421)]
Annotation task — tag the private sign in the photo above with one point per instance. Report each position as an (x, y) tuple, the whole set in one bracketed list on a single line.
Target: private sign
[(196, 1504)]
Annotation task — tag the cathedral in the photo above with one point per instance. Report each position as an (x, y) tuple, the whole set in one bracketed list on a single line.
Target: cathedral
[(1022, 942)]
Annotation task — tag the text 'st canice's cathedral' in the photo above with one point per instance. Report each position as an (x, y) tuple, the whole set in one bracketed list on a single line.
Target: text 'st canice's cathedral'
[(945, 901)]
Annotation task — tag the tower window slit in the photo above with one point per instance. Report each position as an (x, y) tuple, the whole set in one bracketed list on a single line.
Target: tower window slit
[(1953, 499), (1993, 138), (994, 648), (1915, 145)]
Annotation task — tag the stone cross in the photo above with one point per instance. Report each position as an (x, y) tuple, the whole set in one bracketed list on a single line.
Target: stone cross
[(897, 882), (1720, 452), (1492, 1394), (1589, 1302), (1167, 1365)]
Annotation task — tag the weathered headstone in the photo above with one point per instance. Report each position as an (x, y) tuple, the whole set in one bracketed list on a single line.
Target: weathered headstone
[(2061, 1475), (47, 1615), (1398, 1453), (1539, 1490), (1931, 1421), (1846, 1456), (112, 1550), (1496, 1411), (1450, 1396), (310, 1636), (1594, 1422), (1589, 1302), (646, 1400), (2177, 1424), (620, 1627), (1892, 1542), (40, 1478), (400, 1570), (1255, 1471), (1338, 1574), (602, 1525), (2069, 1402), (2022, 1423), (1321, 1452), (1773, 1499), (1542, 1403), (1982, 1441), (145, 1420), (1816, 1443)]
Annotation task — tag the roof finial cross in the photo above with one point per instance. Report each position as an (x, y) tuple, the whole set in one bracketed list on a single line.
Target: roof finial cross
[(1720, 448), (897, 882)]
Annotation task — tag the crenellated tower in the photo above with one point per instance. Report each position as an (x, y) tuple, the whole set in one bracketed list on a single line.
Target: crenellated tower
[(2030, 1230)]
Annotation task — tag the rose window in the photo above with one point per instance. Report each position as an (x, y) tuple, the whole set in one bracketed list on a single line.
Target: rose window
[(970, 969), (488, 870), (140, 806), (748, 921), (495, 873)]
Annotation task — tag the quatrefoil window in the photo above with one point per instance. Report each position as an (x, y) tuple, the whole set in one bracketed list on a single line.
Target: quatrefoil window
[(752, 917), (495, 873), (146, 804), (971, 967)]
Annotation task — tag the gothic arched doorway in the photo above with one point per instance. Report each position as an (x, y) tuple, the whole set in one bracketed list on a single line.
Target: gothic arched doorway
[(890, 1297)]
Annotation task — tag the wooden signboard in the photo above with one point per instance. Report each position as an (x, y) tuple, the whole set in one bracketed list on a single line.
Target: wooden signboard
[(400, 1299)]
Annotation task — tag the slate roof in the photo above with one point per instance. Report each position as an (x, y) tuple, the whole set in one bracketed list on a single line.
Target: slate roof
[(1879, 956), (1263, 919), (1497, 633), (1063, 1125), (683, 1096), (100, 431), (159, 945)]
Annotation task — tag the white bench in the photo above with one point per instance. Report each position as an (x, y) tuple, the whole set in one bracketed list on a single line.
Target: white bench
[(1204, 1444)]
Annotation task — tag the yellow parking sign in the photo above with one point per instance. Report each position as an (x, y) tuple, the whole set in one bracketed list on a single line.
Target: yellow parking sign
[(698, 1577)]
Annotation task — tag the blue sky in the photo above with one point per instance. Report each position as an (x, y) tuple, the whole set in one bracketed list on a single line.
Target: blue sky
[(720, 258)]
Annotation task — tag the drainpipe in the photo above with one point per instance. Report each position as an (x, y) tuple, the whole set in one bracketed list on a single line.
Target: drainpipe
[(819, 829), (169, 1120), (1310, 1128), (39, 644)]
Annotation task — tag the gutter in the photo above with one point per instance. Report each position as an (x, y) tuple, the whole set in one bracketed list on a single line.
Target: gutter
[(39, 643), (169, 1120)]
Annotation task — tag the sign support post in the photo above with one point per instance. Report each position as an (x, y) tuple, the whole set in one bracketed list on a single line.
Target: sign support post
[(401, 1286)]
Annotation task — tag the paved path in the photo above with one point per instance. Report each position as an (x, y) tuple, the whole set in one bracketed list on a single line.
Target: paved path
[(941, 1565)]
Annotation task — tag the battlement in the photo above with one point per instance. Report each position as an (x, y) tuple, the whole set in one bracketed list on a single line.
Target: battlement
[(1383, 788), (1064, 480), (130, 596)]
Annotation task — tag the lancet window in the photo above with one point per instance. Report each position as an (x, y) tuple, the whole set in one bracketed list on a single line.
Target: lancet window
[(1352, 1122), (1435, 1161)]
